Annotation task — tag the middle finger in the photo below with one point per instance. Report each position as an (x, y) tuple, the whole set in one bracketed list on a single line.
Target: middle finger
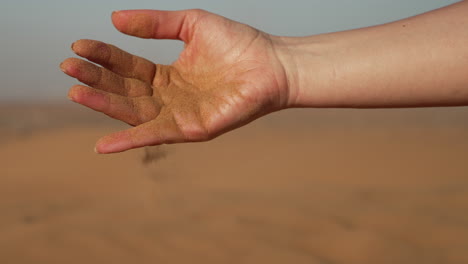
[(103, 79)]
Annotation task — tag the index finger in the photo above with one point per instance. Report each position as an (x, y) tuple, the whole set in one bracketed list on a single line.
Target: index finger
[(115, 59)]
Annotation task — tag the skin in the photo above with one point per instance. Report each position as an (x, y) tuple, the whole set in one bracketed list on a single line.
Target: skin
[(230, 74)]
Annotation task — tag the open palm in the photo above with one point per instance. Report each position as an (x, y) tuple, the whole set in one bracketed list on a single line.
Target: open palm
[(227, 75)]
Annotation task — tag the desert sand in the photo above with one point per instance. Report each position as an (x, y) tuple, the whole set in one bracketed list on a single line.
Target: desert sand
[(300, 186)]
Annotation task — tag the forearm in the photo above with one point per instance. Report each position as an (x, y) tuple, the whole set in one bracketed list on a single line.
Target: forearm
[(419, 61)]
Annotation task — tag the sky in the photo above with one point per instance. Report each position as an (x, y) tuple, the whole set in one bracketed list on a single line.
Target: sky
[(36, 35)]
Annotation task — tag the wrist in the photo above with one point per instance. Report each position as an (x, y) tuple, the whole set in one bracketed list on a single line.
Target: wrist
[(308, 69), (287, 59)]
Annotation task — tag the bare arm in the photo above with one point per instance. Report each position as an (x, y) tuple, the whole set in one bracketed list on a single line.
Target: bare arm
[(418, 61), (230, 74)]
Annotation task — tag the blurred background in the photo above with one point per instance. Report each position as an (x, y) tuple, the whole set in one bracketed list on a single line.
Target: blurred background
[(301, 186)]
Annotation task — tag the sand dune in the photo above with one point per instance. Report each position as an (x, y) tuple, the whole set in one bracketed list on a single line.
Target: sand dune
[(302, 186)]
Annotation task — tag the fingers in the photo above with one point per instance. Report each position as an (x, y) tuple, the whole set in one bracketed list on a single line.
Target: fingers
[(104, 79), (133, 111), (156, 132), (157, 24), (115, 59)]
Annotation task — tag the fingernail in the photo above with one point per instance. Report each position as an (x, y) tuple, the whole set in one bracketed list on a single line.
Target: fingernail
[(72, 46), (70, 96), (115, 12), (62, 69), (96, 151)]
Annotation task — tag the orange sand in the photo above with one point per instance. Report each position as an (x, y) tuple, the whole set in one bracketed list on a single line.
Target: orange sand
[(302, 186)]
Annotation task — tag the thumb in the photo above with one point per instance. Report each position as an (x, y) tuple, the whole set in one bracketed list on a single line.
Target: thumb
[(155, 132), (157, 24)]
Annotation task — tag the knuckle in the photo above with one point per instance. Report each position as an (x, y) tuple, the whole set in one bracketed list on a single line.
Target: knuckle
[(196, 133), (197, 11)]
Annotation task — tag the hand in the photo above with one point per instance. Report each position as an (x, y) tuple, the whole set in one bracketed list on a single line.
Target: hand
[(227, 75)]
